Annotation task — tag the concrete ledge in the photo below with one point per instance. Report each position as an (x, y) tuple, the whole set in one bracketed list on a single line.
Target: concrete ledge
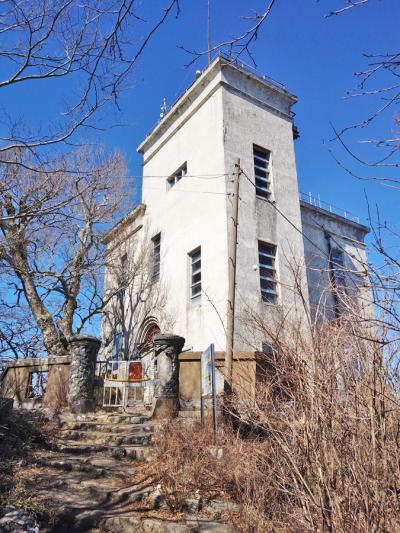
[(219, 357)]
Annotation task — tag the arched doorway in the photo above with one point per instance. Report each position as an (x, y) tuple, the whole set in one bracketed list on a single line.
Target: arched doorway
[(148, 329), (145, 353)]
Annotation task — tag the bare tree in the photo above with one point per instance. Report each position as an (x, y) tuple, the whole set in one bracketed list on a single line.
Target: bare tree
[(133, 295), (377, 80), (53, 262), (238, 46), (94, 44)]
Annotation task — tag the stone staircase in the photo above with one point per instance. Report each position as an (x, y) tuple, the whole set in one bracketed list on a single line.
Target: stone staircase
[(91, 474), (112, 435), (94, 478)]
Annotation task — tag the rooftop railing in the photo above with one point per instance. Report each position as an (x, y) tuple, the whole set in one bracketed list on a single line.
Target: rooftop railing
[(317, 202)]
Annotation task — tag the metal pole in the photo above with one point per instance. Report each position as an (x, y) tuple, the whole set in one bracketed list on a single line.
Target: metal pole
[(209, 32), (214, 393), (232, 278)]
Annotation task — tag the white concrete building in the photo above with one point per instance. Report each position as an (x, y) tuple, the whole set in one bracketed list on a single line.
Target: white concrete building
[(184, 219)]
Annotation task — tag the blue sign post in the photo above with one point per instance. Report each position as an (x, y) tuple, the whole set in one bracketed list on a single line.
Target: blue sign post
[(208, 384)]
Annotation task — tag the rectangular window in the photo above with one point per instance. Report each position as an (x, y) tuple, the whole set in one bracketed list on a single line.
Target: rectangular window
[(122, 277), (337, 268), (37, 384), (195, 273), (177, 176), (267, 268), (262, 158), (156, 257)]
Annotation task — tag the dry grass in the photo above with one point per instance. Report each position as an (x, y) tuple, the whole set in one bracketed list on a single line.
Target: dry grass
[(20, 436), (317, 449)]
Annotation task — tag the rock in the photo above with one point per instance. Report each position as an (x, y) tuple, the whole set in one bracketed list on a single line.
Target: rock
[(215, 527), (118, 453), (116, 524), (221, 506), (17, 521), (192, 504), (157, 500), (149, 525)]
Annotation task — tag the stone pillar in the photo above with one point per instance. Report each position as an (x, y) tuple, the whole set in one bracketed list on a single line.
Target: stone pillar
[(167, 348), (84, 351)]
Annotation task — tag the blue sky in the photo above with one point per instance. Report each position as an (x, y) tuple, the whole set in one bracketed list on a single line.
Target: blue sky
[(314, 56)]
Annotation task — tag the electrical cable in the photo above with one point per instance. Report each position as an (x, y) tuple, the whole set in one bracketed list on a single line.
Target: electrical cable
[(323, 252)]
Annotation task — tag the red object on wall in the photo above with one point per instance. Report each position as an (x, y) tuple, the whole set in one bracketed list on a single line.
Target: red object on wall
[(135, 371)]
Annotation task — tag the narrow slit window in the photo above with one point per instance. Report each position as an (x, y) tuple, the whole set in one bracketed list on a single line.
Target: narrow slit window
[(195, 273), (156, 258), (178, 175), (123, 277), (337, 268), (267, 268), (262, 174)]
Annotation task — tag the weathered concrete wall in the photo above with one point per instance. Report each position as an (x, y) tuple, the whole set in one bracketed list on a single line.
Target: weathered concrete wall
[(256, 114), (192, 213), (57, 385), (15, 379), (189, 376), (345, 235), (219, 119)]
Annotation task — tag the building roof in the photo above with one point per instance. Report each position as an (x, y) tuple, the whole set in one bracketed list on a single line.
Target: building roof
[(335, 217), (195, 88), (136, 212)]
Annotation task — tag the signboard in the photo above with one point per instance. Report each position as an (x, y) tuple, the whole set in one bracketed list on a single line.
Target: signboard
[(207, 371), (208, 385)]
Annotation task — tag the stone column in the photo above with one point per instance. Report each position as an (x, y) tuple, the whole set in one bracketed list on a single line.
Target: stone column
[(84, 351), (167, 348)]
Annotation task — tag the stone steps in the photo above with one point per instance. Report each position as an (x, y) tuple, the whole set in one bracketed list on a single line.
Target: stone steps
[(108, 427), (99, 438), (94, 465), (139, 452), (103, 418), (96, 479)]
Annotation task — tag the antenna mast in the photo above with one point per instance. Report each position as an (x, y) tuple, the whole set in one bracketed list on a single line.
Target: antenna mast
[(209, 32)]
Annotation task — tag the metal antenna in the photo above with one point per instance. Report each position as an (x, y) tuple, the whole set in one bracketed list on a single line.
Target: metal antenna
[(209, 32)]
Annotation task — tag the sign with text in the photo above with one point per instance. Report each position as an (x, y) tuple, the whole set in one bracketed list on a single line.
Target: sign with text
[(207, 361)]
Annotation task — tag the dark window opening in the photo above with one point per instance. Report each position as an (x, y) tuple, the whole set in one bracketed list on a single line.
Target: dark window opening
[(156, 258), (178, 175), (337, 268), (37, 384), (123, 277), (262, 174), (195, 273), (267, 271)]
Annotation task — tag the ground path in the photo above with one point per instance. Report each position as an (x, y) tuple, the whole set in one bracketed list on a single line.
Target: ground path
[(96, 477)]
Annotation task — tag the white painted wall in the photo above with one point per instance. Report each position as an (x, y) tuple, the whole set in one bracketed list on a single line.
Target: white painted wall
[(253, 114), (219, 118), (190, 214)]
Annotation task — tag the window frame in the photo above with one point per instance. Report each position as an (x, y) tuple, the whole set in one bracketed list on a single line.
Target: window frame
[(263, 184), (37, 384), (176, 176), (272, 268), (156, 258), (123, 276), (195, 272), (337, 268)]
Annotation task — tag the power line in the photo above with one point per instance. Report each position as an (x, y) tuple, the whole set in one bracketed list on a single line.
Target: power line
[(323, 252), (284, 216), (190, 191), (165, 176)]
